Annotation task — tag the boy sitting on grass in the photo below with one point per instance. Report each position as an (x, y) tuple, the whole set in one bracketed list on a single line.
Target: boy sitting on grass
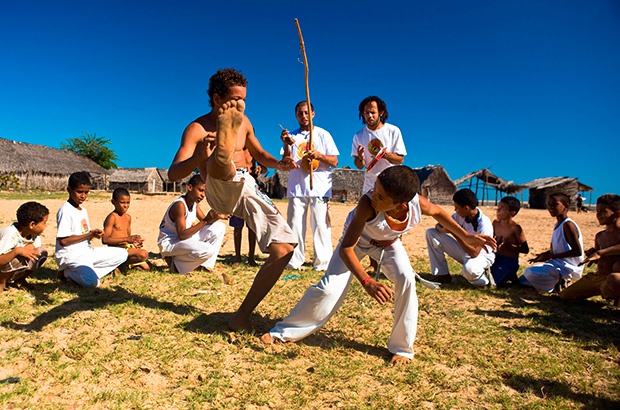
[(606, 255), (76, 258), (562, 263), (20, 245), (510, 242), (374, 227), (117, 231)]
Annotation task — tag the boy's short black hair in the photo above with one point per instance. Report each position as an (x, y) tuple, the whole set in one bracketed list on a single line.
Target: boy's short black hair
[(400, 182), (79, 178), (465, 197), (513, 203), (611, 201), (562, 197), (31, 212), (119, 192), (195, 180)]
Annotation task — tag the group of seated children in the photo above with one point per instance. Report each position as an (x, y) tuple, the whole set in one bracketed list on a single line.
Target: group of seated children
[(558, 267)]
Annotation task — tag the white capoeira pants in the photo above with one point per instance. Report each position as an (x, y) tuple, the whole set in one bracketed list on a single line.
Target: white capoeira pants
[(321, 301), (439, 244), (199, 250), (544, 277), (93, 264), (297, 215)]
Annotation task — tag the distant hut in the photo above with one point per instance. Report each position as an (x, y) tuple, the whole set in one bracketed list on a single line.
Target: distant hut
[(347, 184), (173, 186), (492, 185), (277, 185), (143, 180), (435, 184), (541, 188), (41, 167)]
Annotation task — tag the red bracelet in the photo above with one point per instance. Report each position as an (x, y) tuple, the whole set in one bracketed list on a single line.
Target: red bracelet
[(365, 281)]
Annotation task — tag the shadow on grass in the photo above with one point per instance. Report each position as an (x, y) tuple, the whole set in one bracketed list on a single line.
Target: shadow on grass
[(217, 323), (593, 321), (546, 389), (86, 299)]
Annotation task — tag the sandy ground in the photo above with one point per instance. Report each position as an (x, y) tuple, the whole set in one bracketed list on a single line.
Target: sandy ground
[(147, 212)]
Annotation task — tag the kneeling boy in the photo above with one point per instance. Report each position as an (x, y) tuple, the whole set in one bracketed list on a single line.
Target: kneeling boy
[(20, 245), (374, 227), (510, 242), (76, 258)]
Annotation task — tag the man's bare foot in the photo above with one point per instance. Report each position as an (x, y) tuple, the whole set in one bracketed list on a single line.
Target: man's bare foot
[(252, 262), (143, 266), (229, 119), (267, 339), (240, 325), (398, 360)]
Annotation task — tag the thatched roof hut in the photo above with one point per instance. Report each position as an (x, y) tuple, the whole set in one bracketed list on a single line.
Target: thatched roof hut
[(143, 180), (41, 167), (173, 186), (347, 184), (541, 188), (435, 184), (491, 183)]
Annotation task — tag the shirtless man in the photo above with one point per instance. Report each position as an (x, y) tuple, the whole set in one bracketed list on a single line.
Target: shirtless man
[(213, 144)]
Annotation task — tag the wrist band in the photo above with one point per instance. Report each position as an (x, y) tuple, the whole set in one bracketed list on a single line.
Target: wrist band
[(365, 281)]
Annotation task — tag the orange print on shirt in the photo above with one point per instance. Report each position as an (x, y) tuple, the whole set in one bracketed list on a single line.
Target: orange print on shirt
[(375, 146)]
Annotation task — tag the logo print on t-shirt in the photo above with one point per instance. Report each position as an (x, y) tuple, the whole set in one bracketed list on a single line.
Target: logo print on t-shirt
[(85, 228), (302, 149), (375, 146)]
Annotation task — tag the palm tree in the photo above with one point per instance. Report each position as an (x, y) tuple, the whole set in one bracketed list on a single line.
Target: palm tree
[(93, 147)]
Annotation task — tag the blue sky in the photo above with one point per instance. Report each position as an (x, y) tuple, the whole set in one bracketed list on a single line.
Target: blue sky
[(528, 88)]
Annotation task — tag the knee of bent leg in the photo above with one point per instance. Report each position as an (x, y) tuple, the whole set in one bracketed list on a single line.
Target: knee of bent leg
[(219, 229), (281, 250)]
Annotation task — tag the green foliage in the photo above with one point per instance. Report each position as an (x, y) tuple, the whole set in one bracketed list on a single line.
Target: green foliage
[(8, 180), (93, 147)]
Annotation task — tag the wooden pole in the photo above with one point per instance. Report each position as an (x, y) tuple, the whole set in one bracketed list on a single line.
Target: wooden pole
[(303, 52)]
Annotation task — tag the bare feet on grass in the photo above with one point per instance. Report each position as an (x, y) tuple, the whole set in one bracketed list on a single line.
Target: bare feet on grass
[(398, 360), (237, 324), (229, 119), (267, 339)]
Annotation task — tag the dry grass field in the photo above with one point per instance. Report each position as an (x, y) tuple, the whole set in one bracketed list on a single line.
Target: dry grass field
[(153, 340)]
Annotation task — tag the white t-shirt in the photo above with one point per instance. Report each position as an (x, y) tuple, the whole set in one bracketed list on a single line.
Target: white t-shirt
[(10, 238), (388, 136), (298, 179), (71, 221), (484, 227)]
